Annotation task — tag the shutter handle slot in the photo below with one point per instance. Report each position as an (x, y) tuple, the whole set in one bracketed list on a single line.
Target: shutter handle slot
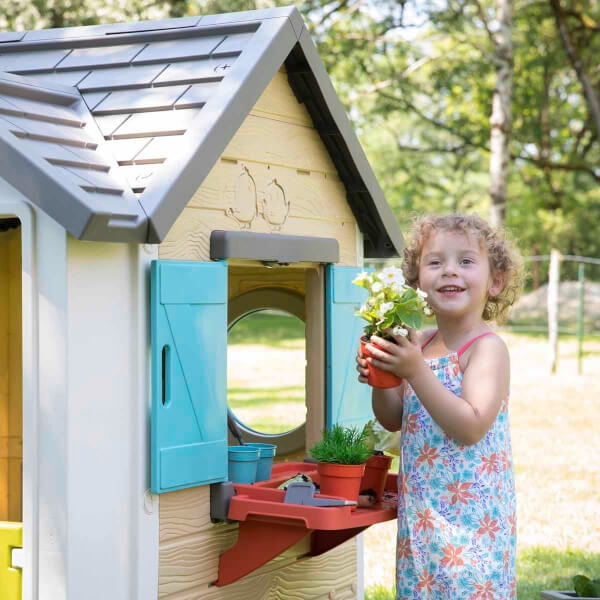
[(166, 375)]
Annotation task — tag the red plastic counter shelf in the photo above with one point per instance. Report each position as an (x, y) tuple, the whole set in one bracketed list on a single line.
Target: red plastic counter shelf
[(268, 526)]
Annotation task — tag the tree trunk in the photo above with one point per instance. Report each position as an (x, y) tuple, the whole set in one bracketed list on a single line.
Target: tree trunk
[(589, 92), (501, 118), (553, 293)]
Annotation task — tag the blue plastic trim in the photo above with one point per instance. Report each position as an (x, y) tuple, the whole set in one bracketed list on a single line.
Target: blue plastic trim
[(189, 405), (348, 401)]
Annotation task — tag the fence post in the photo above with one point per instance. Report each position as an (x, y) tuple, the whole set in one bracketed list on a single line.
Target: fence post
[(580, 319), (553, 291)]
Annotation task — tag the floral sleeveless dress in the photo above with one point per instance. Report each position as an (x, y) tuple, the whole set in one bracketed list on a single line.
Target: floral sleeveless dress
[(456, 505)]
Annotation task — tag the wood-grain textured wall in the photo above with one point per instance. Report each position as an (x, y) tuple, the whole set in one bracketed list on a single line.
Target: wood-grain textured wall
[(274, 177), (11, 377)]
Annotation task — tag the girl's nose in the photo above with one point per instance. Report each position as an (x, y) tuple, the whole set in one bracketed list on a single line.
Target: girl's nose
[(450, 268)]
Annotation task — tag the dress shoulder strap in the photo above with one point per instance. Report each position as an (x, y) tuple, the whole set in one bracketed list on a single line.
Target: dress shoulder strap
[(474, 340), (429, 339)]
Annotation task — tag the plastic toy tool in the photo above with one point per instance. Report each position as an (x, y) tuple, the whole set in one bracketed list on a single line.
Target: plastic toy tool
[(303, 493)]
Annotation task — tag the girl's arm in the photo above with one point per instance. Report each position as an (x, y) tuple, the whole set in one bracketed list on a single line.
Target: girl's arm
[(387, 404), (485, 385)]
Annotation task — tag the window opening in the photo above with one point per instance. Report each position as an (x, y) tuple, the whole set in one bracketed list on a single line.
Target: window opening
[(266, 369)]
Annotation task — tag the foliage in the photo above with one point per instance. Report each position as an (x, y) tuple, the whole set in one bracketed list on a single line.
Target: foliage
[(268, 328), (379, 438), (342, 445), (586, 587), (379, 592), (540, 568), (392, 304), (42, 14)]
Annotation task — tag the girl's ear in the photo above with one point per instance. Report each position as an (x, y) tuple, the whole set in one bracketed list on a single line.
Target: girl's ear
[(496, 284)]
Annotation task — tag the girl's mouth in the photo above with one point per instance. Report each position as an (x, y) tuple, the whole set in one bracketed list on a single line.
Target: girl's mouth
[(450, 290)]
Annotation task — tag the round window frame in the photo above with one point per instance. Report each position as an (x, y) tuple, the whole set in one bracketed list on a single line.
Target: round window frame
[(241, 306)]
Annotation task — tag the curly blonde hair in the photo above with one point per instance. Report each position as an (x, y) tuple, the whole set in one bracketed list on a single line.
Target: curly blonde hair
[(504, 258)]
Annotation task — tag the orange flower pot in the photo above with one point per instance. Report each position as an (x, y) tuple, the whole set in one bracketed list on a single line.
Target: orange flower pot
[(378, 378), (376, 470), (340, 480)]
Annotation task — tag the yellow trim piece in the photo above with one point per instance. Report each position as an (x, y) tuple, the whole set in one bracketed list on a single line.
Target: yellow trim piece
[(11, 536)]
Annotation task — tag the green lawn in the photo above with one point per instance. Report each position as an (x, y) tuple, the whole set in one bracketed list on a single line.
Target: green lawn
[(269, 328), (537, 569)]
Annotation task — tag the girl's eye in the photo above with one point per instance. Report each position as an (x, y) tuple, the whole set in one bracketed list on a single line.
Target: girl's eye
[(467, 261), (434, 262)]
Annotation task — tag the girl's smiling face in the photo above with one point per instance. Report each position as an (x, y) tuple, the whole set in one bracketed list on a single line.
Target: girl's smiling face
[(455, 272)]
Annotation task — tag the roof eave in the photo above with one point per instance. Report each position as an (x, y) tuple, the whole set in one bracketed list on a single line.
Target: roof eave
[(312, 85), (222, 116)]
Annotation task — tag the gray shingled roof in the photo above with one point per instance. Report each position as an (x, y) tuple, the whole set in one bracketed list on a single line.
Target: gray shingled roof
[(111, 129)]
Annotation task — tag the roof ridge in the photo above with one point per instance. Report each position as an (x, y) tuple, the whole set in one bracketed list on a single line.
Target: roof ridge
[(135, 30), (24, 87)]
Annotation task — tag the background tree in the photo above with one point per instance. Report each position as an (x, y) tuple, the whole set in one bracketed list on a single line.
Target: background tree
[(418, 78)]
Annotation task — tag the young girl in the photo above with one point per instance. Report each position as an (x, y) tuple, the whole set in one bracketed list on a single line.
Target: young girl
[(456, 495)]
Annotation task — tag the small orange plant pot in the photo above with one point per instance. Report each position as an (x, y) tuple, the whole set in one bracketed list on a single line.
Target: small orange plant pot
[(340, 480), (378, 378), (376, 470)]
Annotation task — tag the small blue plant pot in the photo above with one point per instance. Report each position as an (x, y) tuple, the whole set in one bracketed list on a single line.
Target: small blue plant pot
[(243, 463), (265, 461)]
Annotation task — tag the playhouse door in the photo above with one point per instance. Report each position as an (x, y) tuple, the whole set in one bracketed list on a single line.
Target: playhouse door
[(11, 409)]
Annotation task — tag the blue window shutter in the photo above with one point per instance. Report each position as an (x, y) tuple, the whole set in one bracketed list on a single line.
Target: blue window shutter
[(189, 374), (348, 401)]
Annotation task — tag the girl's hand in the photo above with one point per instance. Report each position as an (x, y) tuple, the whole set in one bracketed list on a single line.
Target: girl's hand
[(404, 358), (361, 367)]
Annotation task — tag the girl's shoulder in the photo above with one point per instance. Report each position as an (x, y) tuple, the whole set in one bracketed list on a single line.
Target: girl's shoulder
[(425, 335), (487, 347)]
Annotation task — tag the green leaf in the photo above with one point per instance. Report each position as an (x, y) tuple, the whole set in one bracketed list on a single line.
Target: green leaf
[(585, 587), (414, 321)]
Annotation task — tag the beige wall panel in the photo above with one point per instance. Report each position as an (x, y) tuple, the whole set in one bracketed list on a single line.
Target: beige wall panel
[(279, 102), (189, 238), (4, 368), (184, 512), (289, 145), (309, 194), (331, 576), (192, 561), (244, 279)]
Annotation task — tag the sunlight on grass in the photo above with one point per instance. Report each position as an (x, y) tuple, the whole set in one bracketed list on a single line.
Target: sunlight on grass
[(265, 350), (537, 569), (549, 569), (270, 328)]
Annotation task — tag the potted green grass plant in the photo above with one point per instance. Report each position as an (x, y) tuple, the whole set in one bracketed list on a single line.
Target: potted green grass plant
[(584, 588), (341, 456), (392, 306)]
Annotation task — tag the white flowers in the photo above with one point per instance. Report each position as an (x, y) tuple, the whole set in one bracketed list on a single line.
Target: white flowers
[(364, 276), (384, 308), (392, 307), (392, 277), (400, 331)]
